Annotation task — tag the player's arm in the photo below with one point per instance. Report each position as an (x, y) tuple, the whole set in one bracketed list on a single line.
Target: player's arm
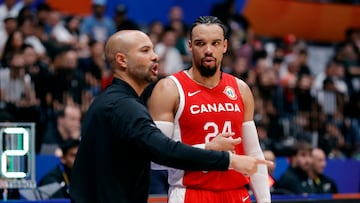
[(162, 105), (259, 180)]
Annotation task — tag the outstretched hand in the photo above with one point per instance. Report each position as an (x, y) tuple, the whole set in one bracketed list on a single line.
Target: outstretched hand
[(246, 165)]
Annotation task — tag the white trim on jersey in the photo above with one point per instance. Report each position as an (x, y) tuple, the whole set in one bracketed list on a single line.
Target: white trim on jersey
[(176, 175)]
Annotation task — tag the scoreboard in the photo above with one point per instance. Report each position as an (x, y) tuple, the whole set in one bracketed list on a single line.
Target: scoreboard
[(17, 162)]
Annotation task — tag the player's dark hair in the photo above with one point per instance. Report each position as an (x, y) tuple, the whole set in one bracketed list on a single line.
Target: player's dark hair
[(208, 20)]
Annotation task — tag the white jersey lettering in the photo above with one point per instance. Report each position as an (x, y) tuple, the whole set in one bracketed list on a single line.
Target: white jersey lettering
[(215, 107)]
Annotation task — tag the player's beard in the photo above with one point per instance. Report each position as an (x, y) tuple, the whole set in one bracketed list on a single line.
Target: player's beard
[(207, 71)]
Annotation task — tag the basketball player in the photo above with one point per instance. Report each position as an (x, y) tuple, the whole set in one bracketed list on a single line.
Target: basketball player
[(195, 105)]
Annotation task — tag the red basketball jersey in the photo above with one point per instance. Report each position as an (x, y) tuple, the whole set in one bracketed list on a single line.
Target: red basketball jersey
[(203, 113)]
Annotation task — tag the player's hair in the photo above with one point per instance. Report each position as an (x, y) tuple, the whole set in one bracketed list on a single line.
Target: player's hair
[(208, 20)]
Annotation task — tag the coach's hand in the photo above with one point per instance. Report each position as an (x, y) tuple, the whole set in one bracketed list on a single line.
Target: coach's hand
[(223, 142), (246, 165)]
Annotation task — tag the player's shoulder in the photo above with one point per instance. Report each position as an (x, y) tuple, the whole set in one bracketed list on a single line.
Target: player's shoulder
[(166, 81), (165, 84), (242, 85)]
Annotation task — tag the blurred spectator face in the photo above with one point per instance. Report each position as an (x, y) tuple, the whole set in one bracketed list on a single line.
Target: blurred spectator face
[(340, 71), (43, 13), (268, 78), (262, 133), (279, 53), (69, 158), (329, 85), (17, 40), (99, 10), (318, 161), (261, 65), (17, 61), (302, 58), (97, 49), (240, 65), (293, 66), (348, 53), (170, 38), (9, 3), (175, 13), (71, 122), (155, 31), (270, 156), (30, 56), (27, 27), (70, 59), (74, 23), (303, 160), (305, 82), (17, 65), (177, 25), (331, 69), (10, 25), (53, 18)]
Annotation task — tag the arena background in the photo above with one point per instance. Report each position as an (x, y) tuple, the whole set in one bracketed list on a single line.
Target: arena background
[(321, 22), (272, 18)]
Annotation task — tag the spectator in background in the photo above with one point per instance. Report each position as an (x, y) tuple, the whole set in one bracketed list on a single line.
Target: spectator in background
[(98, 26), (335, 71), (169, 56), (237, 24), (322, 183), (21, 4), (29, 29), (15, 84), (94, 67), (268, 105), (14, 43), (270, 156), (332, 141), (302, 60), (42, 12), (66, 85), (155, 31), (66, 127), (265, 142), (39, 73), (61, 173), (10, 25), (295, 180), (18, 95), (349, 55), (122, 22), (7, 8), (66, 32), (176, 22)]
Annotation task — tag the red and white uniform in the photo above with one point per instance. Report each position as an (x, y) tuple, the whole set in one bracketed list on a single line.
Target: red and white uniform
[(203, 113)]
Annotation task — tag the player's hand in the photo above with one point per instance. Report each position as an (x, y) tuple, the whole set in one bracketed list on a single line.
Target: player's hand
[(246, 165), (223, 142)]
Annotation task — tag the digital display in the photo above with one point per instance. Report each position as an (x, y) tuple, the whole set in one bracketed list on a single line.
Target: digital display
[(17, 163)]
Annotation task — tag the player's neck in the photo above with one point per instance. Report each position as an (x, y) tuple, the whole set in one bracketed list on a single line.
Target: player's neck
[(209, 82)]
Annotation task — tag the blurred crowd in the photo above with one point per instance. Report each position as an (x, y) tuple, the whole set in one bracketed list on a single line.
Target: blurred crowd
[(52, 66)]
